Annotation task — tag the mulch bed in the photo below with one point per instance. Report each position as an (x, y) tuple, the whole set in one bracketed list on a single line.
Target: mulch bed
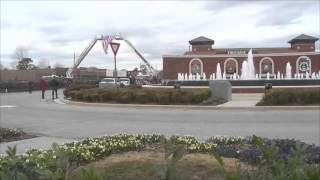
[(8, 135)]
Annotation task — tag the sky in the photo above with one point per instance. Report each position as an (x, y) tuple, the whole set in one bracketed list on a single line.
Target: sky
[(52, 31)]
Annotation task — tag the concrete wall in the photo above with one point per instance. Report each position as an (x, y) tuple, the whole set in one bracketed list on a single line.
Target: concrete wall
[(29, 75)]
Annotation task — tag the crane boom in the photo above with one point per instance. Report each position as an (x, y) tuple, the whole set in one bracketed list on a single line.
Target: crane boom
[(83, 55), (85, 52), (153, 71)]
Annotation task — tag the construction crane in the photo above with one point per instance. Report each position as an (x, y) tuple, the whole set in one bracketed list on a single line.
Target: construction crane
[(151, 69), (71, 71)]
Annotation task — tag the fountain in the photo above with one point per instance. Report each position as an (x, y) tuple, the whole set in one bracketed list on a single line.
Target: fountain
[(278, 75), (247, 69), (248, 77), (218, 72), (224, 76), (268, 76), (250, 66), (244, 70), (288, 71), (234, 76)]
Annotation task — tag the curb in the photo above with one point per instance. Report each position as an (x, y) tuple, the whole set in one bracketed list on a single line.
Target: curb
[(190, 107)]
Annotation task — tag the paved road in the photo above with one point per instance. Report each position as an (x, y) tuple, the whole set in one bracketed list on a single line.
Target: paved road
[(49, 119)]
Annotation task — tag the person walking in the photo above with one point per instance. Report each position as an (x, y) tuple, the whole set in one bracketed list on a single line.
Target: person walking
[(43, 87), (54, 84), (30, 87)]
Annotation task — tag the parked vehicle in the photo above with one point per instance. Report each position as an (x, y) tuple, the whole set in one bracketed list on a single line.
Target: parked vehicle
[(110, 82), (124, 82)]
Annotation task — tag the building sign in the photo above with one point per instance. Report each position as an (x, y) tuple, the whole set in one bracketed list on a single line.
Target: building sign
[(236, 52)]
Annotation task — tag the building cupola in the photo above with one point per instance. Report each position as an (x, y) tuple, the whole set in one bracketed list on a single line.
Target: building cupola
[(303, 43), (201, 44)]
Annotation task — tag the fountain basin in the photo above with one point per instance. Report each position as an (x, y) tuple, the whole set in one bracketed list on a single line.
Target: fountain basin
[(260, 82)]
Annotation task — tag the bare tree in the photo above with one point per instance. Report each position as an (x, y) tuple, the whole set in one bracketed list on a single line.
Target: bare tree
[(26, 64), (43, 63), (20, 53)]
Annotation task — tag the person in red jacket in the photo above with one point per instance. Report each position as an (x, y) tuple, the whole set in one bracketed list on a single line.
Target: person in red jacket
[(43, 86)]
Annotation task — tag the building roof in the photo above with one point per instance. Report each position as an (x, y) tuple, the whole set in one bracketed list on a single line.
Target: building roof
[(201, 40), (303, 38), (245, 51)]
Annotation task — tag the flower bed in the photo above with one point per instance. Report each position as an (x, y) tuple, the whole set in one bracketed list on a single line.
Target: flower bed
[(291, 97), (8, 134), (37, 163), (140, 95)]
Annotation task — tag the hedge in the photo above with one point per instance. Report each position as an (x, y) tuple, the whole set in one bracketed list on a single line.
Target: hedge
[(140, 95), (291, 97)]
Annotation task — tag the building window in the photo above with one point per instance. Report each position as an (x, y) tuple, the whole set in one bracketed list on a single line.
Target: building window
[(196, 66), (266, 66), (231, 66), (303, 65)]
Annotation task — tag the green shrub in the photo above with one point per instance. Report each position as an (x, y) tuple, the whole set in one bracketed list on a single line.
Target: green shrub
[(141, 95), (74, 87), (291, 97)]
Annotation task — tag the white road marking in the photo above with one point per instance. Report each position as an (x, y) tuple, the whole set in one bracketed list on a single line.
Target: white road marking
[(7, 106), (58, 101)]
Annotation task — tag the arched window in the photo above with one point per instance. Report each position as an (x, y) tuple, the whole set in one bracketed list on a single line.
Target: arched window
[(266, 65), (303, 65), (195, 66), (230, 66)]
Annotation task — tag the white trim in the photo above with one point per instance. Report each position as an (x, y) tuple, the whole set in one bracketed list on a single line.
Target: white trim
[(297, 63), (201, 65), (230, 59), (240, 55), (272, 64)]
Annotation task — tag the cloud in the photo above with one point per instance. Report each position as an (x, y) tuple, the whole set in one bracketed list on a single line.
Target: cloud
[(284, 13), (219, 6), (55, 30)]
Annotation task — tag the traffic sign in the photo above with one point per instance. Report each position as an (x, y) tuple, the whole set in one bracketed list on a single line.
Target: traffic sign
[(115, 47)]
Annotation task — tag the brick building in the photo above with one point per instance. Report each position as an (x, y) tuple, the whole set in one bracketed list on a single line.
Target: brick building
[(203, 58)]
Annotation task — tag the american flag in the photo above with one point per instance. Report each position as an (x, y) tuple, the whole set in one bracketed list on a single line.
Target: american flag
[(105, 42)]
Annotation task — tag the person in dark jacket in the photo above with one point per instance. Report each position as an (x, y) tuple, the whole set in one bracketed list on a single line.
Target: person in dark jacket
[(43, 86), (30, 86), (54, 84)]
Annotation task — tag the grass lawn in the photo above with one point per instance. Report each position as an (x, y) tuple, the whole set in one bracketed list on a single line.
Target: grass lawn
[(148, 165)]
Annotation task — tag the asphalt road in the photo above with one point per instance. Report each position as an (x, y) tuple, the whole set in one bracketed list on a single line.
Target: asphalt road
[(50, 119)]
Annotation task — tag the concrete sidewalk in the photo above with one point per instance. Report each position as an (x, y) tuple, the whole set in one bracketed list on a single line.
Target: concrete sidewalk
[(243, 100), (33, 143)]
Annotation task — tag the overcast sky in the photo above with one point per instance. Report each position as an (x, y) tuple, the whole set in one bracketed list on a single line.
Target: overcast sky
[(55, 30)]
